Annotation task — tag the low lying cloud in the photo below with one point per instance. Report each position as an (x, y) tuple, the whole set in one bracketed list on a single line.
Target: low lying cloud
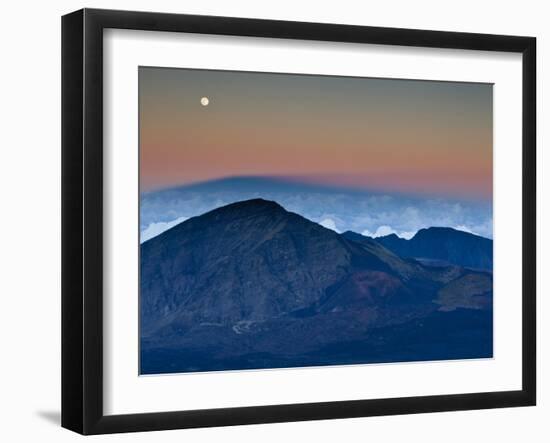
[(373, 214), (329, 224), (155, 229), (387, 230), (464, 229)]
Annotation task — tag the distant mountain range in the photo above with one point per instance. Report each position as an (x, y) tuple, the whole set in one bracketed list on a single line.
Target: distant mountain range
[(251, 285), (438, 246), (262, 184)]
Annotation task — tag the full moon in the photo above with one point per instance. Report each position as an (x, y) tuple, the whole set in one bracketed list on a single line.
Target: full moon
[(205, 101)]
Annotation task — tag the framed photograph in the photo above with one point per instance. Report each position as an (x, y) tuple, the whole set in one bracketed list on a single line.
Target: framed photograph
[(269, 221)]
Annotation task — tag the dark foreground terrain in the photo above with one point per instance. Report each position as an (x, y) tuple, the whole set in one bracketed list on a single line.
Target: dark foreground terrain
[(251, 285)]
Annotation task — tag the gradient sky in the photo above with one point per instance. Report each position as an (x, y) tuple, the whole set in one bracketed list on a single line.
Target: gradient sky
[(391, 135)]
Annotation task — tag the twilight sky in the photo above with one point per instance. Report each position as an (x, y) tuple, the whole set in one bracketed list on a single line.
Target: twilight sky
[(418, 137)]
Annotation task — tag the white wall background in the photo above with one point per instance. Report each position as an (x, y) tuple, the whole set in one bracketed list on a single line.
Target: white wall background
[(30, 219)]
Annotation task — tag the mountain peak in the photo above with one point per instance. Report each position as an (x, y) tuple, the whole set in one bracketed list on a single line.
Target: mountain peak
[(444, 231), (248, 207), (392, 236), (255, 202), (447, 244)]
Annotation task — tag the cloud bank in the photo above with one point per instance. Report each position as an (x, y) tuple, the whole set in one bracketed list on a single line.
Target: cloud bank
[(387, 230), (158, 228), (373, 214)]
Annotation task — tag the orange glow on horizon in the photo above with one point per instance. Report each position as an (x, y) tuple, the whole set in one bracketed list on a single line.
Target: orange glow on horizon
[(397, 135)]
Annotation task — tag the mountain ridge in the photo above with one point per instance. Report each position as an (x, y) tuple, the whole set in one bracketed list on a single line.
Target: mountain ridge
[(439, 244), (254, 285)]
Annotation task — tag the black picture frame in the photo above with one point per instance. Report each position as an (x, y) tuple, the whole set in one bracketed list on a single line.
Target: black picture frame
[(82, 218)]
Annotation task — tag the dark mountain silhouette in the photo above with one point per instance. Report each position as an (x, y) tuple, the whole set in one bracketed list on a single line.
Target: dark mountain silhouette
[(251, 285), (439, 246)]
